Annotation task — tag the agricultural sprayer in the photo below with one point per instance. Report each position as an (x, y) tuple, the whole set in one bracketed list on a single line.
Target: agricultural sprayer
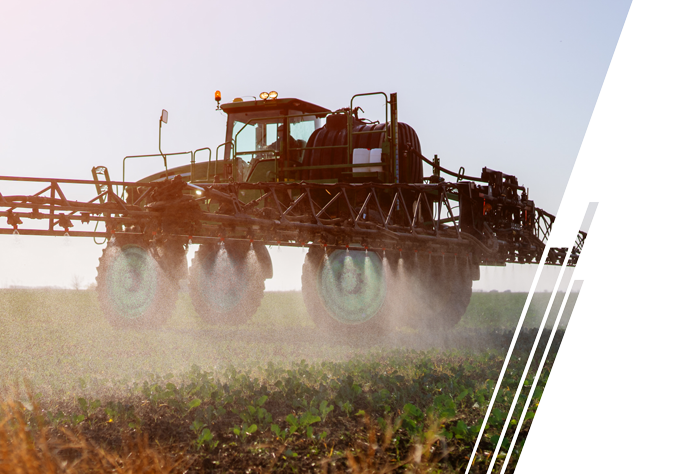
[(383, 240)]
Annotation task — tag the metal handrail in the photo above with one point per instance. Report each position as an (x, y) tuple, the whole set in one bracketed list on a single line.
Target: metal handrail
[(346, 165), (152, 156), (208, 167), (350, 121)]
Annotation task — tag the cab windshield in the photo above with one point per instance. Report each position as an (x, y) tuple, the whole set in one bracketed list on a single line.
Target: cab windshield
[(262, 138)]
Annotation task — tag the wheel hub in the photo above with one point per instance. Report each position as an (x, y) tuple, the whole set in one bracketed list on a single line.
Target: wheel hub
[(352, 285), (132, 281)]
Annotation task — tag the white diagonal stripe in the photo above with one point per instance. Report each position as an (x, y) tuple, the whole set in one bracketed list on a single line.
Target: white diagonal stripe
[(538, 375), (527, 366), (534, 283)]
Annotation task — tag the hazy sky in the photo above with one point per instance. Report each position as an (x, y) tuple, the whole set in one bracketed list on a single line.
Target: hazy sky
[(507, 86)]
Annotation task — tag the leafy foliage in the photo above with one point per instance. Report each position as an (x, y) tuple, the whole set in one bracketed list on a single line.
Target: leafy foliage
[(323, 404)]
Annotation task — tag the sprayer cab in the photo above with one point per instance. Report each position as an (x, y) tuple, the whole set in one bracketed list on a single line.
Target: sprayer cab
[(290, 140), (263, 136)]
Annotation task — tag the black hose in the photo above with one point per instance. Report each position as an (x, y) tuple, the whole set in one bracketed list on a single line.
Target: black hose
[(449, 172)]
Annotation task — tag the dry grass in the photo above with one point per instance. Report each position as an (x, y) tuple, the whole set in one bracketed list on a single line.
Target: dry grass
[(28, 446), (424, 457)]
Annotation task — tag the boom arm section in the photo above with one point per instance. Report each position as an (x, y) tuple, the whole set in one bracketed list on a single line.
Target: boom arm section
[(489, 225)]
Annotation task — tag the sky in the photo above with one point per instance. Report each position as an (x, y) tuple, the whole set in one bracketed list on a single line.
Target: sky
[(507, 86)]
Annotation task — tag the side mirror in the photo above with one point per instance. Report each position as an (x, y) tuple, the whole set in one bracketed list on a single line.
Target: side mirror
[(163, 118)]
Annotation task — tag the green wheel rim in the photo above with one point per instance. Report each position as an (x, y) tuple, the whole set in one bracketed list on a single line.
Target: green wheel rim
[(221, 281), (132, 281), (352, 285)]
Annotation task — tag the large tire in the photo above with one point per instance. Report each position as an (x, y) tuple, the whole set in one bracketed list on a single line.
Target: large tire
[(227, 281), (172, 256), (345, 292), (430, 293), (133, 289), (449, 291)]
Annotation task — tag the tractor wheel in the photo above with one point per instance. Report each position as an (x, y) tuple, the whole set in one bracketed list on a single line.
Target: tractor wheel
[(434, 293), (133, 289), (449, 290), (227, 281), (345, 292), (172, 257)]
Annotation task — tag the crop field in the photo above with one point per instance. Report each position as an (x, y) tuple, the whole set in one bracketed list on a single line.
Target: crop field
[(273, 395)]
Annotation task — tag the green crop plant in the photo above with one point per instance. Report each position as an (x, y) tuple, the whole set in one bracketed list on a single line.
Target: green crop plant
[(86, 407), (302, 422), (197, 426), (279, 433), (255, 412), (194, 403), (244, 430), (346, 407), (205, 439), (381, 400), (77, 418), (324, 410), (316, 407), (443, 408), (412, 420), (55, 418)]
